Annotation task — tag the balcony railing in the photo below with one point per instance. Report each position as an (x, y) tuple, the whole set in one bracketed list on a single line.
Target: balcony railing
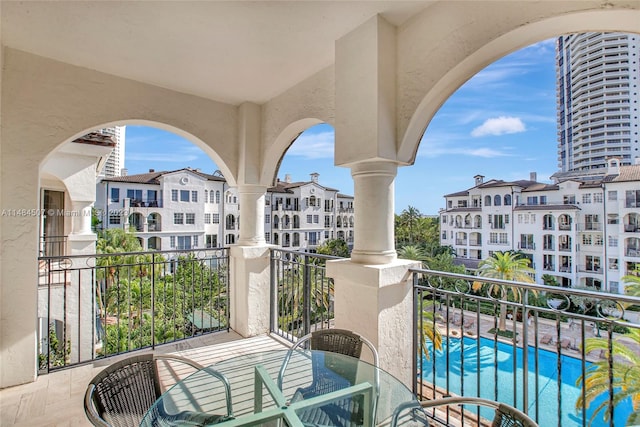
[(96, 306), (142, 203), (632, 228), (301, 293), (526, 246), (590, 269), (590, 226), (485, 330)]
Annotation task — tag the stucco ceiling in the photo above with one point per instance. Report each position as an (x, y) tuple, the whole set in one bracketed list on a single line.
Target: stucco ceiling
[(231, 51)]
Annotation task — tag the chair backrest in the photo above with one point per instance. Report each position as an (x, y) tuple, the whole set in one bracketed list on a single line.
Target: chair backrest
[(123, 392), (337, 341), (505, 415)]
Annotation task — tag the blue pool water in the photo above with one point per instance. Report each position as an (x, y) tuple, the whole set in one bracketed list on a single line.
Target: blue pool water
[(556, 387)]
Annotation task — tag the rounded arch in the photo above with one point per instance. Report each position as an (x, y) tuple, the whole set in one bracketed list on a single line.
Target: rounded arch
[(498, 42), (276, 151), (208, 150)]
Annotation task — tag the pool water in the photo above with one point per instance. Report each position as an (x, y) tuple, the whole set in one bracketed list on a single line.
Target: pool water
[(557, 392)]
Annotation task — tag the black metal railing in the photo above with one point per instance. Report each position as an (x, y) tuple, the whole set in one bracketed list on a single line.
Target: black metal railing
[(527, 345), (99, 305), (301, 293)]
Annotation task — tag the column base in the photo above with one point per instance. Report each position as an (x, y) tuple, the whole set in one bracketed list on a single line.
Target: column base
[(376, 301)]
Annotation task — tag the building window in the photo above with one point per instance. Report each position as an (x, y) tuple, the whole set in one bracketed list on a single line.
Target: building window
[(497, 200), (115, 195), (507, 200), (267, 219), (206, 196), (612, 195), (569, 199), (174, 195), (195, 241), (543, 200), (184, 195), (178, 218), (597, 197), (586, 239), (614, 287), (114, 219), (190, 218), (211, 240), (172, 241), (217, 196), (216, 218), (316, 219), (207, 217), (194, 196), (184, 242), (267, 237), (613, 263), (613, 242), (532, 200), (309, 219), (586, 198)]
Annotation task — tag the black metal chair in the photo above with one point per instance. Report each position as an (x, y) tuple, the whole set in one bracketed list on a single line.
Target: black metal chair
[(123, 393), (504, 415), (328, 377)]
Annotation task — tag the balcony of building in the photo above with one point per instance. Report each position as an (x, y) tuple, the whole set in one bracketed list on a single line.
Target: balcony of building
[(454, 304), (245, 115)]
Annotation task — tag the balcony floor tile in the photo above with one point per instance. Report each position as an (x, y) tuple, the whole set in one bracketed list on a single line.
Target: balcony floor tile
[(56, 399)]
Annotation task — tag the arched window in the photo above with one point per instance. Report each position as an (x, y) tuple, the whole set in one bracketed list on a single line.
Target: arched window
[(206, 196), (497, 200), (507, 200), (276, 222), (351, 222), (231, 239), (487, 200), (296, 239), (276, 239), (477, 221), (339, 221), (296, 221), (217, 196)]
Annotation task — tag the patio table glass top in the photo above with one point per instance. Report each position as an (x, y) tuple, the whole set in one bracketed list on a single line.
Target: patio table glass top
[(317, 389)]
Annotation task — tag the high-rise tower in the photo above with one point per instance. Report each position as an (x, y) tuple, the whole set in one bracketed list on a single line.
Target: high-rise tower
[(115, 163), (598, 100)]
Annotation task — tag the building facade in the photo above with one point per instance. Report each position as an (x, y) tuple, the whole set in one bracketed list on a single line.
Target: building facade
[(598, 97), (582, 232), (114, 165), (187, 209)]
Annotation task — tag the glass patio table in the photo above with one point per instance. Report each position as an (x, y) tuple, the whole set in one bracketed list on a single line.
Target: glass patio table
[(316, 389)]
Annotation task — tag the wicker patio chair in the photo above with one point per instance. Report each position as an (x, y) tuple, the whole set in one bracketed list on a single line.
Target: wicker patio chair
[(121, 394), (504, 415), (328, 377)]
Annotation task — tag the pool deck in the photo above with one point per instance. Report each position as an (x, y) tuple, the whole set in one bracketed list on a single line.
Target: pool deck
[(560, 337)]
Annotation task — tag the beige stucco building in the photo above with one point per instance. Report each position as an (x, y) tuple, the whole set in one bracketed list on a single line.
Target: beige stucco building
[(241, 81)]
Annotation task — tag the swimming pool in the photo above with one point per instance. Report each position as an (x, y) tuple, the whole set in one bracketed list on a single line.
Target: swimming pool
[(554, 400)]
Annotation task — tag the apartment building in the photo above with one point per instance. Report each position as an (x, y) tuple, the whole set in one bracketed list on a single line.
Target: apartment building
[(114, 166), (186, 209), (582, 232), (598, 97)]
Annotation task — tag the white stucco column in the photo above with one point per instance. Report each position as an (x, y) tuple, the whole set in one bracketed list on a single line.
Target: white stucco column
[(81, 217), (250, 281), (252, 220), (373, 208), (376, 302)]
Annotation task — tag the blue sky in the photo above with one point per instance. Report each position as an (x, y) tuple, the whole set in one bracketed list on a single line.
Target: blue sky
[(501, 124)]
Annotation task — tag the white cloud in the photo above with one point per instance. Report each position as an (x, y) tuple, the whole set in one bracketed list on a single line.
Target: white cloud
[(313, 146), (431, 149), (499, 126)]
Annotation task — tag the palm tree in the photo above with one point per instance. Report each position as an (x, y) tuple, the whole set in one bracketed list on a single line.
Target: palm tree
[(625, 368), (507, 266), (412, 252)]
